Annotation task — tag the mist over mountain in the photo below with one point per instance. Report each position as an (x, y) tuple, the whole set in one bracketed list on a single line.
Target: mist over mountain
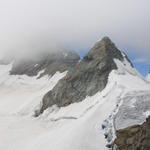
[(29, 25), (73, 75)]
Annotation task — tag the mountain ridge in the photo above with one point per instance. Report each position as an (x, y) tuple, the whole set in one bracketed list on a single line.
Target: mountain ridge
[(107, 95), (87, 78), (50, 62)]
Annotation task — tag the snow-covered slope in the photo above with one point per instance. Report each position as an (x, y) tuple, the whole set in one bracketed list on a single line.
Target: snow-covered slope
[(22, 94), (75, 127), (89, 124), (148, 77)]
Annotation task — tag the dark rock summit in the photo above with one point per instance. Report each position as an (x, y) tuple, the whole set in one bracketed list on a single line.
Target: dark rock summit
[(87, 78), (136, 137), (49, 62)]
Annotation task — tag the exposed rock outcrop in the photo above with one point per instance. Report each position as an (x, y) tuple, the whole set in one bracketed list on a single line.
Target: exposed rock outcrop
[(135, 137), (50, 62), (86, 78)]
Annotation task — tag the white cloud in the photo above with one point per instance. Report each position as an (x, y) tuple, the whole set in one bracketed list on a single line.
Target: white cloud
[(74, 23)]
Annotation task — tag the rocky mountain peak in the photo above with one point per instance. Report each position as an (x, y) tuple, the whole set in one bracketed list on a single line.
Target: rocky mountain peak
[(104, 48), (50, 62), (88, 77)]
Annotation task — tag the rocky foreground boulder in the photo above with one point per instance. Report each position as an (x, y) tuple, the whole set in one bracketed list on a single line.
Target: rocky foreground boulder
[(135, 137), (87, 78)]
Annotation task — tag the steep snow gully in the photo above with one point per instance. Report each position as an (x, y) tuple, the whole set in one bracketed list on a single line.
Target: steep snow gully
[(86, 125)]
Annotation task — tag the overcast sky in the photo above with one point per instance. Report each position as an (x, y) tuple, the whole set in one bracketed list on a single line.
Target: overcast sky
[(76, 24)]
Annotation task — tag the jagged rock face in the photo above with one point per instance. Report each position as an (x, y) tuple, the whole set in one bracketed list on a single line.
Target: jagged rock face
[(136, 137), (86, 78), (50, 62)]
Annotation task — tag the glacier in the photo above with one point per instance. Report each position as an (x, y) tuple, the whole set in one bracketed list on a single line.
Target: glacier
[(77, 126), (89, 124)]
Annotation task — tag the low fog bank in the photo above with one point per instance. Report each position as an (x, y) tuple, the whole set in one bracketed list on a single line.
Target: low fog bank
[(30, 27)]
